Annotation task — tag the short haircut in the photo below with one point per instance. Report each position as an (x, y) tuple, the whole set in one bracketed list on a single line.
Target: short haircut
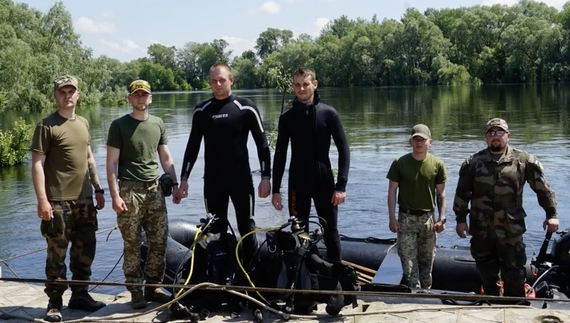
[(221, 65), (304, 72)]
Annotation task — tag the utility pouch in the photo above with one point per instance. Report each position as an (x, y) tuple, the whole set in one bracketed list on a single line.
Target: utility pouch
[(165, 182), (514, 224)]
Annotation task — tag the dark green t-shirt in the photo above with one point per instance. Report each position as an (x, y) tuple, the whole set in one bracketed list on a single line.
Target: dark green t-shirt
[(416, 180), (64, 142), (138, 141)]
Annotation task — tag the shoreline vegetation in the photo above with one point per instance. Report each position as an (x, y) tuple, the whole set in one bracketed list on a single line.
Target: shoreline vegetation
[(528, 42)]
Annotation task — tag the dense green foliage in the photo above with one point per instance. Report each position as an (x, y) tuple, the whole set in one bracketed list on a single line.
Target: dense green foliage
[(525, 43), (36, 47), (14, 144)]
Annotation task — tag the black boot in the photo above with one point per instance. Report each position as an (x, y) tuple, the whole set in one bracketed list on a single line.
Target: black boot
[(54, 310), (83, 301), (489, 274), (335, 303), (513, 279)]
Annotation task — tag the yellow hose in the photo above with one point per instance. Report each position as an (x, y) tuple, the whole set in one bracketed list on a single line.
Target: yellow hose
[(239, 262)]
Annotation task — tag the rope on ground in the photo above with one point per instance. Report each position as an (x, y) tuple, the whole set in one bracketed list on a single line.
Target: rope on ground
[(107, 319), (110, 272), (263, 306), (420, 294), (45, 248), (5, 261)]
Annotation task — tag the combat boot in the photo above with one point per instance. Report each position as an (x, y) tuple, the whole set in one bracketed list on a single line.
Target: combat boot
[(54, 310), (156, 294), (137, 300), (83, 301)]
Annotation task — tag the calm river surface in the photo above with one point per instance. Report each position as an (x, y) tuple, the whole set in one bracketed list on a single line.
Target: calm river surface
[(377, 123)]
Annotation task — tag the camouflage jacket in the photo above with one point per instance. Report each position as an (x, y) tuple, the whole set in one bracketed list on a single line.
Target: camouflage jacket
[(495, 190)]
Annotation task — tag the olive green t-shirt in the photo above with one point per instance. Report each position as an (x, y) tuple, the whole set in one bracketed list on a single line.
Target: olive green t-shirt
[(138, 141), (64, 142), (416, 180)]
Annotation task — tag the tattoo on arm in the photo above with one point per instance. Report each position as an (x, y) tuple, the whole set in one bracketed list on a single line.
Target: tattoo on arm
[(440, 201), (93, 175)]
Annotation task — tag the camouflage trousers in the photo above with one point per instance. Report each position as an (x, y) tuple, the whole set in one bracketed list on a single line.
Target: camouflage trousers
[(416, 248), (146, 211), (75, 222), (500, 259)]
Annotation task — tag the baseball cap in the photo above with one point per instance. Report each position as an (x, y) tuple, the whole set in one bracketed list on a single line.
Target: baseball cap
[(139, 85), (497, 122), (64, 80), (421, 130)]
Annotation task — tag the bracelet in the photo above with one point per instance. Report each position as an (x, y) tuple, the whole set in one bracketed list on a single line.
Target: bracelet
[(101, 191)]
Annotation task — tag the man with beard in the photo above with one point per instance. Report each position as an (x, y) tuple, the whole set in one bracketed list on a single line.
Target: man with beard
[(493, 180), (132, 145)]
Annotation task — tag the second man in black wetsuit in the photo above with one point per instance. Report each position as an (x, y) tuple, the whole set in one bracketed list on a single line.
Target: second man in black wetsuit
[(310, 124), (225, 122)]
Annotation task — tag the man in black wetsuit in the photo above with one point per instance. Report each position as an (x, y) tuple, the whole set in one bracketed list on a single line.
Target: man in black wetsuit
[(225, 122), (310, 125)]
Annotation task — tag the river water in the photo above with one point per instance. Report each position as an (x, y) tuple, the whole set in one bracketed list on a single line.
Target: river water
[(377, 122)]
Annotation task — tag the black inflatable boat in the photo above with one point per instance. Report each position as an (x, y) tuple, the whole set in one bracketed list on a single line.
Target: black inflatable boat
[(454, 269)]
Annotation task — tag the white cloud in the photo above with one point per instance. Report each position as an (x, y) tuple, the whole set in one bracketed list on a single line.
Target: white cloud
[(269, 7), (87, 25), (319, 24), (126, 45), (554, 3), (239, 45)]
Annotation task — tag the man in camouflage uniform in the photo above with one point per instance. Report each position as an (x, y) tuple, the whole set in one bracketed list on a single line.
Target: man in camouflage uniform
[(417, 177), (132, 145), (493, 180), (63, 170)]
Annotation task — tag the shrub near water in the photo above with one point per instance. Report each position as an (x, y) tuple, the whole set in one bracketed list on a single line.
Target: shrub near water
[(14, 144)]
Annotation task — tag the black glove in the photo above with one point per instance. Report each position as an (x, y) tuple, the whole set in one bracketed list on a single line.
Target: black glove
[(166, 182)]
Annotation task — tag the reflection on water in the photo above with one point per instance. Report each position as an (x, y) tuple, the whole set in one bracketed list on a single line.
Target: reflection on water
[(377, 122)]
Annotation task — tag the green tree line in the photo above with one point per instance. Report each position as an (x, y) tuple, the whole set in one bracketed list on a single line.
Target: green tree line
[(525, 43)]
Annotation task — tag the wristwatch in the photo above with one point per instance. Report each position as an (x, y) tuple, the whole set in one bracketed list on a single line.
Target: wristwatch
[(443, 220), (102, 191)]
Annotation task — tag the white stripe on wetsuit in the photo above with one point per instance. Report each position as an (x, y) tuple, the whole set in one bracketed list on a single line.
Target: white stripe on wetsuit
[(242, 107), (202, 107)]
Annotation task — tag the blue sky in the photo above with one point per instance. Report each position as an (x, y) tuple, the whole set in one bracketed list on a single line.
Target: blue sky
[(124, 29)]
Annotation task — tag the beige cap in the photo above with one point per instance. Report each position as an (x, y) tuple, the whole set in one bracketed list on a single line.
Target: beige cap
[(421, 130)]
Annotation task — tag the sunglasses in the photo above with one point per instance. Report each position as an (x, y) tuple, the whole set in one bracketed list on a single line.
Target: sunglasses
[(496, 132), (140, 85)]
